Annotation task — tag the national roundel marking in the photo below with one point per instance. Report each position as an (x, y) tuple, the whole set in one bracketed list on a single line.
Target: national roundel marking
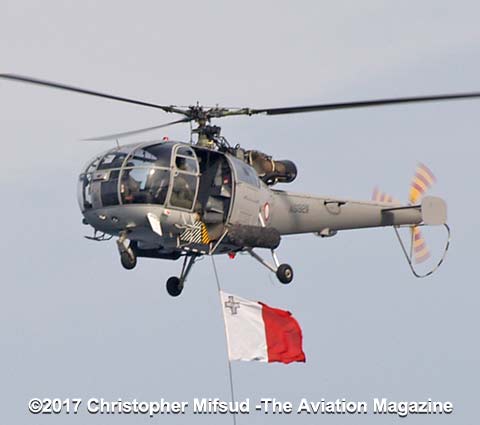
[(266, 211)]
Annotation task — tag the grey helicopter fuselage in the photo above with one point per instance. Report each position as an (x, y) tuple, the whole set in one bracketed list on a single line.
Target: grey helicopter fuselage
[(154, 192), (175, 182)]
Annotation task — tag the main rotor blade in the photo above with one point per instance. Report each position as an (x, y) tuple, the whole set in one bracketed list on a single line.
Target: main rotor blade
[(133, 132), (362, 104), (36, 81)]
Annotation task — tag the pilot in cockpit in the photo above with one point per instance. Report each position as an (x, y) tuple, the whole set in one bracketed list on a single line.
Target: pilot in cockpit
[(129, 187), (158, 186)]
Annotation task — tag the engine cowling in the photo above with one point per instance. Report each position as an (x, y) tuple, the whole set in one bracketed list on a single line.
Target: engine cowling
[(270, 170)]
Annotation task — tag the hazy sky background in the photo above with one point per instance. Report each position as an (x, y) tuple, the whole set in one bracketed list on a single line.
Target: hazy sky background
[(74, 323)]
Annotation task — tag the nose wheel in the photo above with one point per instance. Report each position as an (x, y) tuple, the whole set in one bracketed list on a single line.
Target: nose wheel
[(175, 284), (127, 256), (128, 259)]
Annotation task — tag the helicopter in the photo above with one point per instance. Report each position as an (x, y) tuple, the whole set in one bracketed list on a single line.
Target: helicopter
[(173, 199)]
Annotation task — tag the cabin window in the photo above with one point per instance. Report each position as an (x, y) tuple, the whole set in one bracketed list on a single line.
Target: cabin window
[(245, 173)]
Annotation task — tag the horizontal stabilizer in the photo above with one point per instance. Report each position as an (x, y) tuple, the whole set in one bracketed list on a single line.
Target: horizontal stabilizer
[(434, 211)]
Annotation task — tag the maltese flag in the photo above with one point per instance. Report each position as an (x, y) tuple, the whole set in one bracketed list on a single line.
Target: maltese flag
[(256, 331)]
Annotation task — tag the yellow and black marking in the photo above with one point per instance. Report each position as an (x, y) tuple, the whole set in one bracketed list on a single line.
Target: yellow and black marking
[(205, 236), (196, 234)]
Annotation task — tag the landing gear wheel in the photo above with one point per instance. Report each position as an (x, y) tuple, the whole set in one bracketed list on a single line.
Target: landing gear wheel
[(174, 286), (284, 273), (128, 260)]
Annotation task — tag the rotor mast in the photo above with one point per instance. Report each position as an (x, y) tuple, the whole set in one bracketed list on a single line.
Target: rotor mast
[(208, 136), (205, 132)]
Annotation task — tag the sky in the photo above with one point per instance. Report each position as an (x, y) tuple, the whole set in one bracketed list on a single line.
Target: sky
[(74, 323)]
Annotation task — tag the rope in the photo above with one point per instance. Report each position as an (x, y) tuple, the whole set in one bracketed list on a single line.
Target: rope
[(230, 375)]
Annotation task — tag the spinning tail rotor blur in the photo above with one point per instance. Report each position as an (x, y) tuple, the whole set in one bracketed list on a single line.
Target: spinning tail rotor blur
[(422, 181)]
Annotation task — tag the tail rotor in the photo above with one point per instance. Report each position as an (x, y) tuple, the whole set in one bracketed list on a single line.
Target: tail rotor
[(419, 246), (433, 213), (422, 180), (379, 196)]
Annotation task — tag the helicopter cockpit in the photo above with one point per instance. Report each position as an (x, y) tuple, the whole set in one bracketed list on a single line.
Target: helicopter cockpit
[(165, 173)]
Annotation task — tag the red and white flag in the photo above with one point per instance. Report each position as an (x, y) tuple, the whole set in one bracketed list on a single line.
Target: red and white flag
[(256, 331)]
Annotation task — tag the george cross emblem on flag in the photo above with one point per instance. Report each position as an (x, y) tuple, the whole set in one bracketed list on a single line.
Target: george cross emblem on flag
[(232, 305), (259, 332)]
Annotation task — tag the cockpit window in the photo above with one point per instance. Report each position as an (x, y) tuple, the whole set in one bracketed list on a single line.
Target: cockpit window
[(141, 158), (185, 151), (158, 155), (85, 191), (186, 164), (144, 186), (185, 159), (162, 173), (183, 191), (93, 165), (112, 160), (109, 188)]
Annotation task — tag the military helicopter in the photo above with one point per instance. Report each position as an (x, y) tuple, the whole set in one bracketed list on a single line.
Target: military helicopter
[(171, 200)]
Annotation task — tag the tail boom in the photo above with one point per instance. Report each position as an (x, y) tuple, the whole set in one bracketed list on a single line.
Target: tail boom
[(296, 213)]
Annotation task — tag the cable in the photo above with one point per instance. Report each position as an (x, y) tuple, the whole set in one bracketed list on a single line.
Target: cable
[(232, 393)]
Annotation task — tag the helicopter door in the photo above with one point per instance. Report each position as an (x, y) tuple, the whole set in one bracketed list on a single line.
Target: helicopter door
[(247, 194), (185, 179), (216, 205)]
